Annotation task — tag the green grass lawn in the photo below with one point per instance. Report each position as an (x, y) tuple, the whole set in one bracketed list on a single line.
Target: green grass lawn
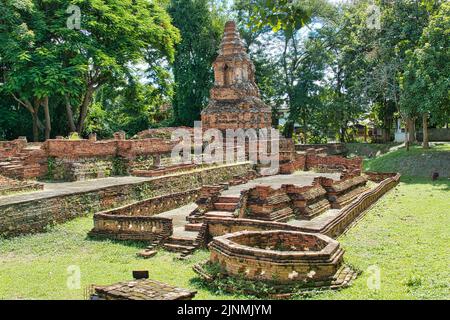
[(368, 150), (405, 236), (417, 162)]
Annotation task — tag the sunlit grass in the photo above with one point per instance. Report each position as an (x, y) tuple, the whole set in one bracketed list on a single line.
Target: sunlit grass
[(417, 162), (36, 266), (406, 236)]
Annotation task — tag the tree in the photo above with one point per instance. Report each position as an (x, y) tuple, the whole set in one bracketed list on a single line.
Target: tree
[(31, 70), (201, 30), (285, 19), (427, 73), (115, 36), (45, 56)]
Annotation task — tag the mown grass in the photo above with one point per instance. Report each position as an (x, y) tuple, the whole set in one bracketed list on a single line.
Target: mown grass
[(36, 266), (405, 235), (417, 162), (368, 150)]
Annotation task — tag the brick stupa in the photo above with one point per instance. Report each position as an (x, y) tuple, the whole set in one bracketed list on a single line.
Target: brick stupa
[(235, 101)]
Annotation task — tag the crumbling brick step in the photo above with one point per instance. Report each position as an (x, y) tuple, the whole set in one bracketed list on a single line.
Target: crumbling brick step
[(225, 206), (193, 227), (228, 199)]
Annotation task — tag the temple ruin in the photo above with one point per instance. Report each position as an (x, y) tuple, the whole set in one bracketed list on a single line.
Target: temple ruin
[(234, 101), (265, 228)]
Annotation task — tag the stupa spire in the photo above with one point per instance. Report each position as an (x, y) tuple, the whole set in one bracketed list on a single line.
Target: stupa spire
[(235, 101), (231, 42)]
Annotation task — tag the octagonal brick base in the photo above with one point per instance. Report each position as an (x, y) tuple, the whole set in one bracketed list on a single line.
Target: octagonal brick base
[(281, 257)]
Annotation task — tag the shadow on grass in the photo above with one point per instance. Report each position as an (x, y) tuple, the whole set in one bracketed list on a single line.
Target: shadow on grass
[(442, 183), (201, 284)]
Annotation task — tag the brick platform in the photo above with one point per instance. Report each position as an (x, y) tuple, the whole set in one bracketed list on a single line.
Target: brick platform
[(138, 222), (331, 223), (143, 289), (33, 212)]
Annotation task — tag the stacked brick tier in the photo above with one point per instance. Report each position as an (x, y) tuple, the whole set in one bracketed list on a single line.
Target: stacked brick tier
[(281, 257), (21, 160), (235, 101), (309, 201), (269, 204), (208, 195), (344, 218), (342, 192)]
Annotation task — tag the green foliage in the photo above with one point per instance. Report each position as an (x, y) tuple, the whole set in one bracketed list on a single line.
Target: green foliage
[(43, 58), (51, 167), (288, 16), (74, 136), (119, 167), (427, 73), (200, 30)]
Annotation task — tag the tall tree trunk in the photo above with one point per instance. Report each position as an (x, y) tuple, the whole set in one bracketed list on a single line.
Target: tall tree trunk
[(48, 125), (288, 129), (411, 126), (69, 114), (407, 136), (35, 127), (342, 134), (84, 108), (425, 143)]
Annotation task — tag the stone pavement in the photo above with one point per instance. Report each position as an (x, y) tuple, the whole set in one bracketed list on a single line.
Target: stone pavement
[(63, 188), (299, 178), (178, 217)]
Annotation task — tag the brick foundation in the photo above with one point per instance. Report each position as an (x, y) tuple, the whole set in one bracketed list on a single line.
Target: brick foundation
[(137, 221), (218, 226), (278, 256), (33, 216)]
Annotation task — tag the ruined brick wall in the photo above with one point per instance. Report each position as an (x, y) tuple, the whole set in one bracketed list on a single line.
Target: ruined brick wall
[(379, 176), (280, 241), (321, 162), (11, 148), (77, 149), (35, 215), (220, 226), (155, 205), (137, 222), (131, 227), (352, 212), (79, 170), (297, 164), (331, 148)]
